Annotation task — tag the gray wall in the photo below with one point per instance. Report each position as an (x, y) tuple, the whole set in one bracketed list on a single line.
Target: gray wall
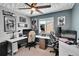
[(66, 13), (3, 34), (75, 18)]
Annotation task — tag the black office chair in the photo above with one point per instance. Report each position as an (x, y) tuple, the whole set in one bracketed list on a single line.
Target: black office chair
[(54, 43)]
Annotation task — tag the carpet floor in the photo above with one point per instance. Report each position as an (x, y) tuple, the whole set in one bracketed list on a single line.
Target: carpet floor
[(23, 51)]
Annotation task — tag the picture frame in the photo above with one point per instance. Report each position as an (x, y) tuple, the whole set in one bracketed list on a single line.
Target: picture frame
[(26, 25), (61, 21), (9, 23), (7, 13), (22, 19), (22, 25)]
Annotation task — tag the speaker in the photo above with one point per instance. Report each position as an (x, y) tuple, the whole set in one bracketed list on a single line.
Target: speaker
[(59, 30)]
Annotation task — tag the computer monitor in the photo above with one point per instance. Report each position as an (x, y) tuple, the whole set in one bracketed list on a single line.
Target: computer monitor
[(26, 31)]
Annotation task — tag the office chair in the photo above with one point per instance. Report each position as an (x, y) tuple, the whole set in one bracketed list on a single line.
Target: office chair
[(54, 43), (31, 39)]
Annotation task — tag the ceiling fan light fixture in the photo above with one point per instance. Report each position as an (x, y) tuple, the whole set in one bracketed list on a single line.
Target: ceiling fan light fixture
[(33, 9)]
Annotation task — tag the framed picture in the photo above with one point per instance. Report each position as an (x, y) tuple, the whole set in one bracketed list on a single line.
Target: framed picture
[(25, 25), (22, 25), (7, 13), (61, 20), (9, 23), (22, 19)]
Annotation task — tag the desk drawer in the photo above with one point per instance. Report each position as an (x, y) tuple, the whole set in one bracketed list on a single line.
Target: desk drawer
[(14, 47)]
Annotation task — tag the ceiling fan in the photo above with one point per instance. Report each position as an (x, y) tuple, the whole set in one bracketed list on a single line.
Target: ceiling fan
[(34, 7)]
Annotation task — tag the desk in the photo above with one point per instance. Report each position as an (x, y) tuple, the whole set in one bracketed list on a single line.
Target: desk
[(13, 44), (15, 40), (20, 38), (42, 42)]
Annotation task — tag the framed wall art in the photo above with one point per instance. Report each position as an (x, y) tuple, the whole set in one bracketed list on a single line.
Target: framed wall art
[(9, 23), (61, 20), (22, 19), (22, 25)]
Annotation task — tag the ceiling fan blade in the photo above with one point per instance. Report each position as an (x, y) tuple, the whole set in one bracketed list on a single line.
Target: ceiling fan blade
[(31, 11), (39, 11), (28, 4), (34, 4), (46, 6), (24, 8)]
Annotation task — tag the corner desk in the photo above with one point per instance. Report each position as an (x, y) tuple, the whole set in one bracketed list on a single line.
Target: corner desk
[(14, 46)]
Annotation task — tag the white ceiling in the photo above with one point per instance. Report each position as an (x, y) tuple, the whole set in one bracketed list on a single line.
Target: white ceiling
[(54, 7)]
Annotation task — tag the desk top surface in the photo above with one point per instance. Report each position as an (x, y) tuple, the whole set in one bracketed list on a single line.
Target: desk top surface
[(43, 37), (21, 38), (16, 39)]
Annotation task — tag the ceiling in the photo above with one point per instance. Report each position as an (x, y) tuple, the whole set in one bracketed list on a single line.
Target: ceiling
[(54, 7)]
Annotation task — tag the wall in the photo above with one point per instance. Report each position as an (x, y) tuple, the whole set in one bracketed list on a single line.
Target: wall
[(66, 13), (3, 34), (75, 18)]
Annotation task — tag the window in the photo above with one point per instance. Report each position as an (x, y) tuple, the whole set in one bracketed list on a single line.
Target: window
[(48, 24)]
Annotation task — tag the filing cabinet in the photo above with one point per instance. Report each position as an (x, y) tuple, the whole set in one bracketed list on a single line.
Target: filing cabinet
[(42, 44), (3, 48)]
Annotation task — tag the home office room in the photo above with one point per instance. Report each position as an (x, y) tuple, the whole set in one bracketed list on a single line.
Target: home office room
[(39, 29), (22, 35)]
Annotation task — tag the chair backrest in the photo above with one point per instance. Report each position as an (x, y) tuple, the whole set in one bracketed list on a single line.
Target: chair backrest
[(54, 40), (52, 37), (31, 37)]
